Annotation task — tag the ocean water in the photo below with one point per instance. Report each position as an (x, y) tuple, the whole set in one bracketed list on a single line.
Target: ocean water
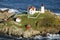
[(53, 5), (22, 5)]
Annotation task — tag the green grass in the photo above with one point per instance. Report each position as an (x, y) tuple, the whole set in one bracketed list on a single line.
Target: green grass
[(44, 20)]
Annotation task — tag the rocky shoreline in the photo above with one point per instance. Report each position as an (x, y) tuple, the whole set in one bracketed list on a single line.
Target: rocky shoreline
[(18, 32), (14, 31)]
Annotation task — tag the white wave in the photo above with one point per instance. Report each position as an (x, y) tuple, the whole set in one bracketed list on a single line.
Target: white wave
[(57, 13), (53, 36), (10, 10), (38, 37), (23, 10), (3, 9), (13, 11)]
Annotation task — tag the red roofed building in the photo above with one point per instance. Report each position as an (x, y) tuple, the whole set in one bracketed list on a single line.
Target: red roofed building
[(31, 10), (28, 26)]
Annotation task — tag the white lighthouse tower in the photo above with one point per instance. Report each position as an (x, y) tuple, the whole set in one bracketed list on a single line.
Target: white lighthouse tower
[(42, 9)]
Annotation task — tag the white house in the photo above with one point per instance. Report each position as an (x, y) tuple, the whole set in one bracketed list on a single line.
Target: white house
[(32, 10), (18, 19)]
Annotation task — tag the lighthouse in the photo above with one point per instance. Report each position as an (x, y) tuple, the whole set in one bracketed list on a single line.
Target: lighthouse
[(42, 9)]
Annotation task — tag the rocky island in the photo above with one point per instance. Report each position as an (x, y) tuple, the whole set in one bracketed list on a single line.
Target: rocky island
[(29, 24)]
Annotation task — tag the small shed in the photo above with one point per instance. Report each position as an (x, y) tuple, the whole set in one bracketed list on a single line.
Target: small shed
[(18, 19), (28, 26)]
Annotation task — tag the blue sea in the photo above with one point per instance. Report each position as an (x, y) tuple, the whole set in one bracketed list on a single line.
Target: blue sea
[(22, 5)]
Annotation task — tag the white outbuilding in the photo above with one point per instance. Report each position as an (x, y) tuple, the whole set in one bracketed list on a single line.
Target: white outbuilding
[(18, 19)]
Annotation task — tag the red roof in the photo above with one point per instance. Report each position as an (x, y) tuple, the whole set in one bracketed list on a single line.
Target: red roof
[(31, 7), (28, 27)]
